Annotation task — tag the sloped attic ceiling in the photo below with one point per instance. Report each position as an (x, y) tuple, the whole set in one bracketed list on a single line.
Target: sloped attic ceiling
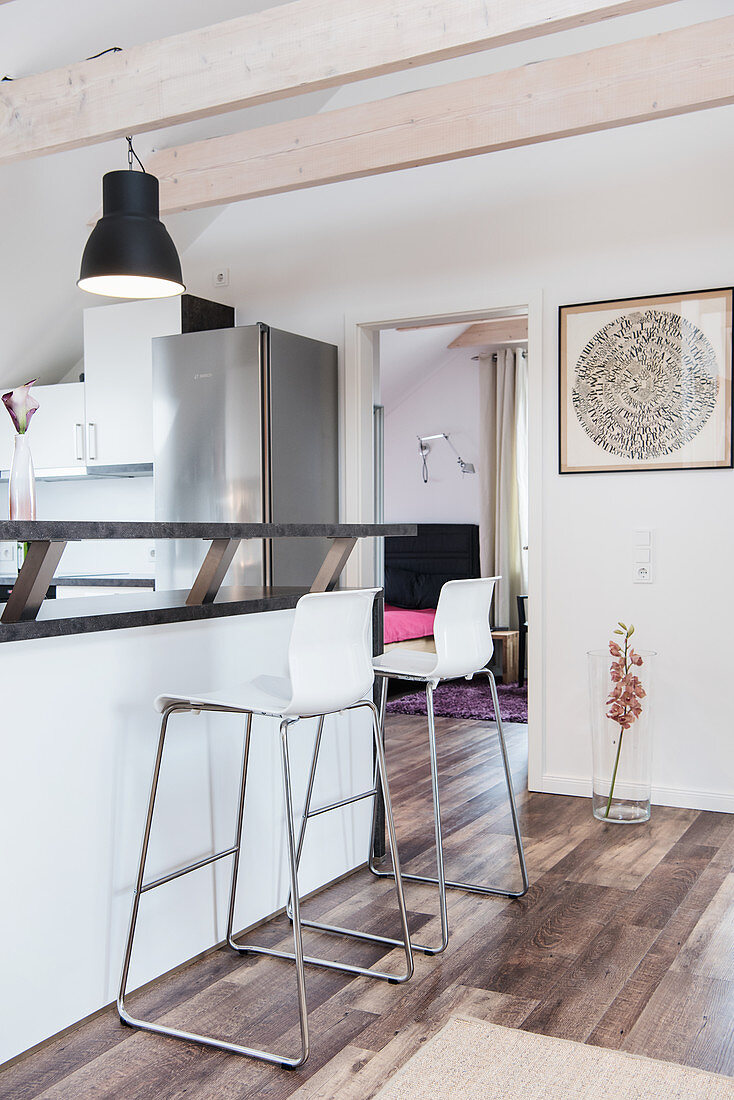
[(46, 203)]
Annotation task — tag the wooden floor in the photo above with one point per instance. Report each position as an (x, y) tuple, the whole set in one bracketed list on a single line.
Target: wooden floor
[(625, 940)]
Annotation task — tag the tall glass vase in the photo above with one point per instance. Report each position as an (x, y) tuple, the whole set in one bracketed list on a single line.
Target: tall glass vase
[(22, 487), (622, 758)]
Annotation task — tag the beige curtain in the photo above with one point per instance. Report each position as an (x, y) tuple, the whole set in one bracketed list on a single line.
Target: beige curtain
[(503, 478)]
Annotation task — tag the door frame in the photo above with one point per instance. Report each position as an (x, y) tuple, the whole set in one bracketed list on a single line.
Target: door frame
[(358, 388)]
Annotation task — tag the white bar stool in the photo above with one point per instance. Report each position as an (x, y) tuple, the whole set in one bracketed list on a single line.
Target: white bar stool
[(463, 648), (330, 670)]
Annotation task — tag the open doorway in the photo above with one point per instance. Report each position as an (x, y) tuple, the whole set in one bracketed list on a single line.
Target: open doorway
[(451, 454), (360, 503)]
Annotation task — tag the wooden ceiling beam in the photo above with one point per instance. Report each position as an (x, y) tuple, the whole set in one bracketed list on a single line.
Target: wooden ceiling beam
[(298, 47), (505, 330), (683, 70)]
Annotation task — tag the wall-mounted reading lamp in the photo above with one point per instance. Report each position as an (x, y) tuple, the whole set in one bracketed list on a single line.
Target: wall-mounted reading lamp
[(424, 450)]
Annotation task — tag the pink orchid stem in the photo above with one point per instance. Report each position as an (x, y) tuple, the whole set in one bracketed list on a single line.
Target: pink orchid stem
[(621, 735)]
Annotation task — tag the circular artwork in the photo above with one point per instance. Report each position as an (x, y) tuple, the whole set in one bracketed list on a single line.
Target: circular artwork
[(645, 384)]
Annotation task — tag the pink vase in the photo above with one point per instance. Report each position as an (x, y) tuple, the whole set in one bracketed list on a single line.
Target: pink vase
[(22, 481)]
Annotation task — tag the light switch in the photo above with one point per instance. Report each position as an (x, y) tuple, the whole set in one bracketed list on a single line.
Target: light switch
[(642, 538), (642, 553)]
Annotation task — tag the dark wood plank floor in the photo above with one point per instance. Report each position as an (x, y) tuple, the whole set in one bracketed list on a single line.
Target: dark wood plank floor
[(626, 940)]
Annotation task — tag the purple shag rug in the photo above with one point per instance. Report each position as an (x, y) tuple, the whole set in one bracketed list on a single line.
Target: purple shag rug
[(466, 699)]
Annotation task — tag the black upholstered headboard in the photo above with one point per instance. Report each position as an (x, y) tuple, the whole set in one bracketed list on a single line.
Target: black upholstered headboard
[(416, 566)]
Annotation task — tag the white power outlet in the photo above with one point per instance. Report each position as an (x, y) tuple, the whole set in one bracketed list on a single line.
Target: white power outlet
[(642, 573), (7, 551), (221, 277)]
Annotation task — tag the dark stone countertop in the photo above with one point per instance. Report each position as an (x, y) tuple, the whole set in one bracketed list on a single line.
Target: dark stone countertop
[(89, 614), (112, 580), (78, 530), (57, 618)]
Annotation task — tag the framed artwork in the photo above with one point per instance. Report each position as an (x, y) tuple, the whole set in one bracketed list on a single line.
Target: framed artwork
[(646, 383)]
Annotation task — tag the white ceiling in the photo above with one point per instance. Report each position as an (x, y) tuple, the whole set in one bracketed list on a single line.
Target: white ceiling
[(45, 203), (408, 357)]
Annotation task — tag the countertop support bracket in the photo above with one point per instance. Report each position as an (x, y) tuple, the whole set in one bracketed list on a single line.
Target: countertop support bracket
[(334, 563), (36, 574), (213, 569)]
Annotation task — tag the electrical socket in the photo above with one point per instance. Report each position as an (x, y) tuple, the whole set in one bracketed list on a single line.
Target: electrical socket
[(7, 551), (642, 573), (221, 277)]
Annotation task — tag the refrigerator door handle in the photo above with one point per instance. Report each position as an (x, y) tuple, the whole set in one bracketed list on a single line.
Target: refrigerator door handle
[(266, 454)]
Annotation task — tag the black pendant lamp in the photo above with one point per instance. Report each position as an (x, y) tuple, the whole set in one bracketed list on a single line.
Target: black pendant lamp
[(129, 253)]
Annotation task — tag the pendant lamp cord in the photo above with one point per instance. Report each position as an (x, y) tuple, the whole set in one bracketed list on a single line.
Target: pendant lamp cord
[(131, 153), (94, 56)]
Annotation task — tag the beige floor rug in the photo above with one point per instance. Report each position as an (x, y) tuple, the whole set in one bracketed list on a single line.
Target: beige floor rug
[(471, 1059)]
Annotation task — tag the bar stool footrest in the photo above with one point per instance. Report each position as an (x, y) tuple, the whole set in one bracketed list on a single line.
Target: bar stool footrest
[(186, 870), (396, 979), (469, 887), (210, 1041), (342, 802), (369, 937)]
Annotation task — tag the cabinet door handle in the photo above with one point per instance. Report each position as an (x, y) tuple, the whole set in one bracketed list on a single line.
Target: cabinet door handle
[(91, 441), (79, 441)]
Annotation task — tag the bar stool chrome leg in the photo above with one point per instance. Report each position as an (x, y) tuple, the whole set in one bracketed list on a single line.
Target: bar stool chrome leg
[(307, 803), (471, 887), (238, 838), (510, 795), (141, 888), (308, 813), (123, 1013), (440, 880), (297, 934), (405, 942)]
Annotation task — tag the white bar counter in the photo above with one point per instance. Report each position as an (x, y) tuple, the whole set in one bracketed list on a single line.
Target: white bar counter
[(79, 738)]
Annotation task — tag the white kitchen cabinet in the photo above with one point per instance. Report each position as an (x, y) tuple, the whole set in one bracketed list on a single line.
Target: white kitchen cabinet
[(118, 377), (56, 432)]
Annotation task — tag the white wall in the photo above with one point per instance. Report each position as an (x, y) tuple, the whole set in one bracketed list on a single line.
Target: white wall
[(639, 210), (448, 401)]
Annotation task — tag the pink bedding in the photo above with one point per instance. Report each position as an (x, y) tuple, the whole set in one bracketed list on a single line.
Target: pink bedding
[(401, 623)]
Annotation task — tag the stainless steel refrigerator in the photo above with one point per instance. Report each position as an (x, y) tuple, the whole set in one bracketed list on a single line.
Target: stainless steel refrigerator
[(245, 430)]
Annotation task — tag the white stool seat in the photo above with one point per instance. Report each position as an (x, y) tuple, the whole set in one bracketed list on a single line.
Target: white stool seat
[(406, 662), (329, 665), (269, 695)]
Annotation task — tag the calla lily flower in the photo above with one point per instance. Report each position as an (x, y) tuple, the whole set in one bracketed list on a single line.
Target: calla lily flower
[(21, 406)]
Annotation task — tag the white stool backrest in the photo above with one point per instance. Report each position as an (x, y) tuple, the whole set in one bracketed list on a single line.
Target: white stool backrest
[(330, 652), (461, 629)]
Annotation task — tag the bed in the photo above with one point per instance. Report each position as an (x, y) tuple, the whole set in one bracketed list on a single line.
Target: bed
[(415, 569)]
